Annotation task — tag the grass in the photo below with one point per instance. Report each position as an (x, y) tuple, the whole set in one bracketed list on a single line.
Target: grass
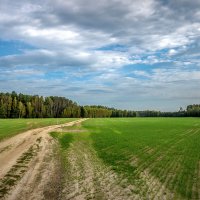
[(75, 144), (168, 148), (11, 127), (64, 139)]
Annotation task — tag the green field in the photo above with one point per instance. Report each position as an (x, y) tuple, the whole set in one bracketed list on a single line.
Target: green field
[(150, 153), (10, 127), (169, 148)]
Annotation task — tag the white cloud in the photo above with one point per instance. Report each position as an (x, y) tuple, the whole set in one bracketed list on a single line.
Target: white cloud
[(172, 52), (78, 38)]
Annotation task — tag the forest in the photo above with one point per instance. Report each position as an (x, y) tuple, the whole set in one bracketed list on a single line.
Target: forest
[(13, 105)]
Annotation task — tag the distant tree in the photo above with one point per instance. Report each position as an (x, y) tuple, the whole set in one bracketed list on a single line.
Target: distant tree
[(22, 109), (3, 113), (14, 108), (84, 112), (29, 110)]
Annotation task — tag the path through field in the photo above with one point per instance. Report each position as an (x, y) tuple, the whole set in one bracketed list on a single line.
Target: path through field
[(28, 165)]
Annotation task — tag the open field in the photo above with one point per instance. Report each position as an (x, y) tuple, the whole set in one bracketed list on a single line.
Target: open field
[(122, 158), (10, 127), (159, 156), (138, 158)]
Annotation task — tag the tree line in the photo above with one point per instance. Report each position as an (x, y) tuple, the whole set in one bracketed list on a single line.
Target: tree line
[(191, 111), (13, 105), (103, 111)]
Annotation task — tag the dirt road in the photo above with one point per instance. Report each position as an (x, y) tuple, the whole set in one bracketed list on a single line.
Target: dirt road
[(28, 164)]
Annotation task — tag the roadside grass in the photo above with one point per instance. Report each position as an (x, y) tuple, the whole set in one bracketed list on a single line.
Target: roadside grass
[(67, 135), (63, 139), (167, 148), (80, 164), (11, 127)]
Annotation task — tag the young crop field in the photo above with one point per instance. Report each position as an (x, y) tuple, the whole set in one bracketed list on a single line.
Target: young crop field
[(10, 127), (159, 156)]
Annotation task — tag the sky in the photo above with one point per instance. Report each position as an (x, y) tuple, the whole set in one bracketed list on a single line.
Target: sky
[(128, 54)]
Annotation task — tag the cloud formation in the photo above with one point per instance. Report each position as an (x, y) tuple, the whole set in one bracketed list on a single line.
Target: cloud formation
[(129, 54)]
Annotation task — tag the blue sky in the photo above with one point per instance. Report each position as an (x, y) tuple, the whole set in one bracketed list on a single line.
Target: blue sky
[(129, 54)]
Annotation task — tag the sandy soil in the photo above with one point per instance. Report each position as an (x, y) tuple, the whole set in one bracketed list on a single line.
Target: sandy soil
[(28, 164)]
